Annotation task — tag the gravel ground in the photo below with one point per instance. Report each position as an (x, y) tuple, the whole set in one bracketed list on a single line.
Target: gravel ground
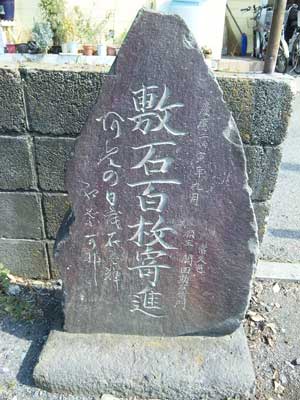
[(272, 327)]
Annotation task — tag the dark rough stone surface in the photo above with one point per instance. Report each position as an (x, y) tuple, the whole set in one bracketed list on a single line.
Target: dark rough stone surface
[(16, 165), (185, 368), (57, 101), (25, 258), (54, 268), (191, 234), (262, 165), (270, 126), (261, 106), (239, 96), (20, 216), (262, 211), (52, 155), (12, 113), (55, 207)]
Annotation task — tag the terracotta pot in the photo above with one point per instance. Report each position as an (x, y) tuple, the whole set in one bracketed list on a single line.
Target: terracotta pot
[(88, 50), (111, 51), (11, 48)]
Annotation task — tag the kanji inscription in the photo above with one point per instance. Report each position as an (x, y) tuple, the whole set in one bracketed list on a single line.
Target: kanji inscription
[(162, 237)]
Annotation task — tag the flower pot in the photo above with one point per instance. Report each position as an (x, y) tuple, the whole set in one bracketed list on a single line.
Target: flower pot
[(55, 49), (64, 47), (11, 48), (9, 9), (22, 48), (88, 50), (72, 47), (111, 51), (101, 50)]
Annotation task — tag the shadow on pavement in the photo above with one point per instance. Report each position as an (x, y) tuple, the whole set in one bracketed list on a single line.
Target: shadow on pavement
[(48, 315)]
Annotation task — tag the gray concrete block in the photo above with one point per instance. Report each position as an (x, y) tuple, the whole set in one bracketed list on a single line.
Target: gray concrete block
[(20, 216), (263, 166), (55, 207), (27, 258), (54, 268), (239, 96), (272, 110), (262, 211), (260, 104), (12, 110), (58, 101), (16, 163), (52, 155), (181, 368)]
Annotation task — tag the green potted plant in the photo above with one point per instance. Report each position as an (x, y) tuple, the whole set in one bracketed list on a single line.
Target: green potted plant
[(53, 12), (69, 36), (120, 39), (42, 35), (85, 30), (101, 33)]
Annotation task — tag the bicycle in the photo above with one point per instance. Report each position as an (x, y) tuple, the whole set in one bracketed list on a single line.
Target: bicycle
[(263, 20)]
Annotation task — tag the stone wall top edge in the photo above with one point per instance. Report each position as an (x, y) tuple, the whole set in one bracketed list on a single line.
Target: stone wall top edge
[(280, 78), (31, 66), (104, 69)]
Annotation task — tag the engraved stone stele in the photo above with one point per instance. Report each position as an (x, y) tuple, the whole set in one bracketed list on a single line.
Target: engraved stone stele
[(162, 238)]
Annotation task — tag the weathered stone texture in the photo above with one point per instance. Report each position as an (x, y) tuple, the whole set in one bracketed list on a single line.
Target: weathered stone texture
[(262, 165), (261, 106), (20, 216), (16, 165), (52, 155), (261, 210), (24, 258), (54, 268), (162, 216), (55, 207), (58, 101), (180, 368), (12, 112)]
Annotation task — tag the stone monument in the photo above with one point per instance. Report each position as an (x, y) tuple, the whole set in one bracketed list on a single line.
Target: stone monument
[(161, 240)]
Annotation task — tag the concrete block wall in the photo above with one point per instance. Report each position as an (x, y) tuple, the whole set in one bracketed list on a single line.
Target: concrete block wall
[(41, 113)]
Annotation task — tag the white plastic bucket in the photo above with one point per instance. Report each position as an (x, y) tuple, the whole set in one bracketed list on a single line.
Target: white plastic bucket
[(101, 49), (72, 47)]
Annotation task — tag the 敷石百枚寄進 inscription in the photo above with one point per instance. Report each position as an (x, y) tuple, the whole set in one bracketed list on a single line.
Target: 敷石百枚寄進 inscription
[(161, 239)]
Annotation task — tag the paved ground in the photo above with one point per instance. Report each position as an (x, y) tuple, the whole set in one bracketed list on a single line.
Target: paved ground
[(282, 241), (272, 326)]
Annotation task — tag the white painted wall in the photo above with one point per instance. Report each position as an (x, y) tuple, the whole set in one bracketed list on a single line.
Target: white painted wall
[(205, 20)]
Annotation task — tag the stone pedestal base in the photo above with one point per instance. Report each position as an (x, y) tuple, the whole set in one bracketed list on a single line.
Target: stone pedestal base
[(186, 368)]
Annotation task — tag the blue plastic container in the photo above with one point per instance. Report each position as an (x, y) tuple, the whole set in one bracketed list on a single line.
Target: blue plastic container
[(244, 45), (9, 9)]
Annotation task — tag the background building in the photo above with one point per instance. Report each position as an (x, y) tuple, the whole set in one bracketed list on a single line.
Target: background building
[(124, 11)]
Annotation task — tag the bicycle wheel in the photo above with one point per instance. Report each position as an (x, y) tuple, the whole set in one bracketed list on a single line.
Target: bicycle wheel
[(281, 62), (296, 55)]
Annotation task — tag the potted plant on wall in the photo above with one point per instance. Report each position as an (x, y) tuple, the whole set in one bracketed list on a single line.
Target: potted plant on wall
[(86, 31), (119, 40), (53, 12), (69, 36), (101, 33), (42, 35)]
